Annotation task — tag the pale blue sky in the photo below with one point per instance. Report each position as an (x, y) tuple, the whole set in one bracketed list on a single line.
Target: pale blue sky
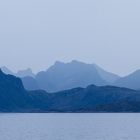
[(36, 33)]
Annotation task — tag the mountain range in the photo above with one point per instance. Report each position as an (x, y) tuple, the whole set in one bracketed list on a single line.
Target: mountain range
[(63, 76), (15, 98)]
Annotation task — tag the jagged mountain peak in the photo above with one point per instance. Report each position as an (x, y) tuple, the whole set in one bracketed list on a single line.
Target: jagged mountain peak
[(63, 76)]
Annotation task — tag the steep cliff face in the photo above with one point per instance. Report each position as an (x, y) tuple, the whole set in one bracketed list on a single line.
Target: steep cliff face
[(12, 93)]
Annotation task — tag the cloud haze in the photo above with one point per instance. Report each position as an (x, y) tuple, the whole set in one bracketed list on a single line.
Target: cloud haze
[(35, 33)]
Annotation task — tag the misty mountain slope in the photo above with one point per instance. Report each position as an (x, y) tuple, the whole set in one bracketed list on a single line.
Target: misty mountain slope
[(30, 83), (62, 76), (14, 98), (131, 81), (107, 76), (6, 70)]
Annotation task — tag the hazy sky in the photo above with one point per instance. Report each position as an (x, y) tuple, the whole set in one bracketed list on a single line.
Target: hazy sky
[(36, 33)]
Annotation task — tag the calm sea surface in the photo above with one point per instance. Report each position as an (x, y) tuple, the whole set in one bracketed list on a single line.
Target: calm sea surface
[(70, 126)]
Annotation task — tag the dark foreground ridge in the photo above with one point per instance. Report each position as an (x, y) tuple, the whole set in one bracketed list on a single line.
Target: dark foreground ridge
[(14, 98)]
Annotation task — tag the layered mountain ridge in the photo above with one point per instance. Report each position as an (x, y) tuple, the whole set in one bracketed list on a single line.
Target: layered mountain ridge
[(63, 76), (14, 98)]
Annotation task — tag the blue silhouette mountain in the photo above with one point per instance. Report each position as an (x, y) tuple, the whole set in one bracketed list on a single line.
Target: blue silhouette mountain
[(62, 76), (12, 93), (27, 77), (14, 98)]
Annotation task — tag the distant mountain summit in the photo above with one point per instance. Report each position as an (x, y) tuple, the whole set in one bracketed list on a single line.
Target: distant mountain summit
[(62, 76), (20, 73), (24, 73)]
